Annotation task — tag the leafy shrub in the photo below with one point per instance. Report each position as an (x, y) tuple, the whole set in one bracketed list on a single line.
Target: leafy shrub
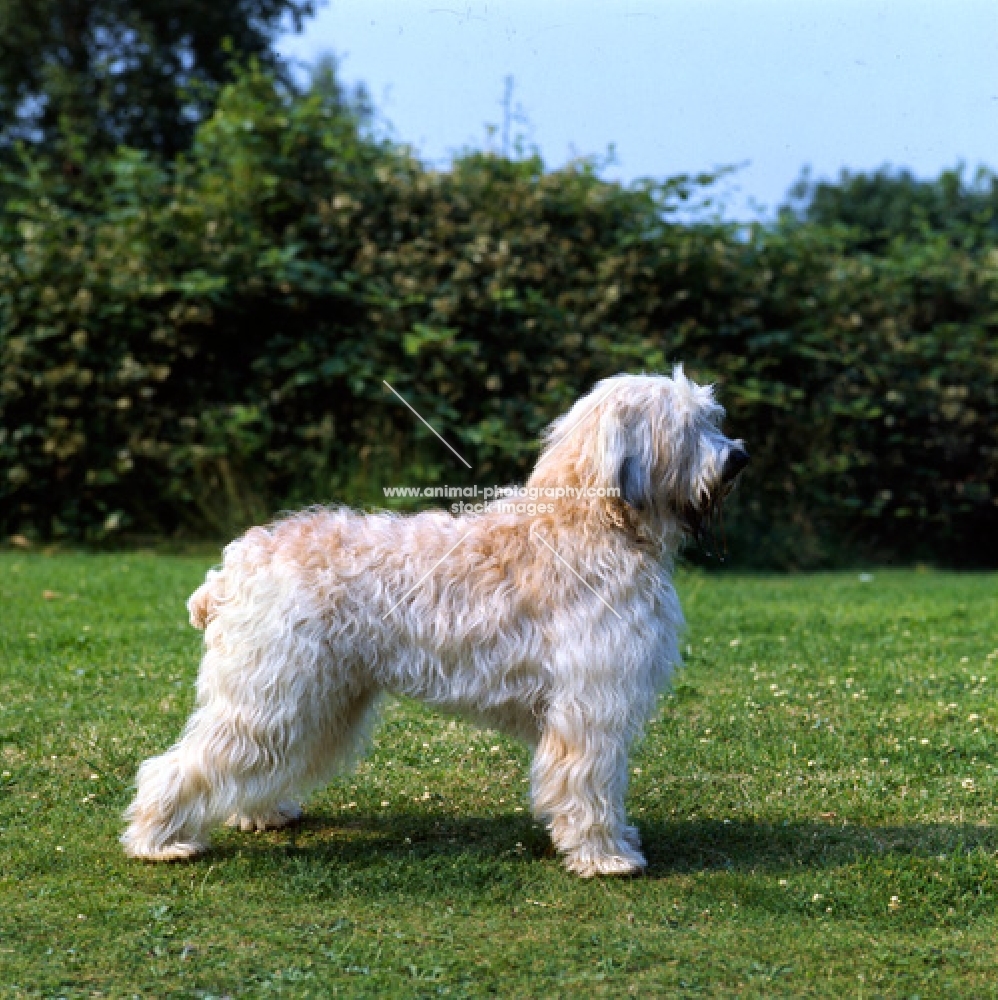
[(191, 346), (888, 205)]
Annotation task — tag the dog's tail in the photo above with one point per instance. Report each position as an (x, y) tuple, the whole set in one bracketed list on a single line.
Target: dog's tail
[(203, 603)]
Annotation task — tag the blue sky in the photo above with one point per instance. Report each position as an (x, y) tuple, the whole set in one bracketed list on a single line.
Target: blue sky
[(682, 86)]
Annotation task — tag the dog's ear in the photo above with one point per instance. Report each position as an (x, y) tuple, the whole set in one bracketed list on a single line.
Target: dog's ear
[(635, 483), (625, 458)]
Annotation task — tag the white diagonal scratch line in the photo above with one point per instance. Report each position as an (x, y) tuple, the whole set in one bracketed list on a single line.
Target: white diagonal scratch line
[(459, 455), (424, 577), (540, 538)]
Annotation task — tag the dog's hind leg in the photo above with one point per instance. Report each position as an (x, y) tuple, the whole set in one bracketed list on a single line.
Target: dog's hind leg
[(223, 764), (338, 741), (226, 761), (183, 793), (579, 778), (243, 763)]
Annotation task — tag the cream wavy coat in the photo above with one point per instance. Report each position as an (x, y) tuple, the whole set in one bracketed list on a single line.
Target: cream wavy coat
[(559, 629)]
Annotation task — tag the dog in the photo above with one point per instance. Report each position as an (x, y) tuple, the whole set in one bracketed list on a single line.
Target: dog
[(559, 629)]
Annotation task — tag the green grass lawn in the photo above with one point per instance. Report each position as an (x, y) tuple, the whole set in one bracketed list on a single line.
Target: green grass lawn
[(816, 799)]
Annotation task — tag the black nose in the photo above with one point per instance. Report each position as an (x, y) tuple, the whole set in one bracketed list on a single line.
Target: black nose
[(735, 461)]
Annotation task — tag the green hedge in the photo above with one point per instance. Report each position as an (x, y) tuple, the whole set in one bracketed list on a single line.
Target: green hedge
[(192, 346)]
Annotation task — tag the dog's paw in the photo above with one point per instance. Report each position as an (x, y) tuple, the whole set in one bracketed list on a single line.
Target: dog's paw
[(626, 860), (281, 815), (175, 851)]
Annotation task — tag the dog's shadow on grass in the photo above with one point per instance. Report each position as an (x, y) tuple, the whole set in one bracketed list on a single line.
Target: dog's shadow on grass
[(756, 846), (673, 847)]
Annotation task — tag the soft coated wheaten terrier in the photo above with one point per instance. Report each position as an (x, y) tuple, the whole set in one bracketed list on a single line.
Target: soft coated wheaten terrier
[(558, 628)]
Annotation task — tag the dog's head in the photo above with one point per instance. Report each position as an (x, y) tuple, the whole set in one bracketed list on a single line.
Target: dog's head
[(654, 441)]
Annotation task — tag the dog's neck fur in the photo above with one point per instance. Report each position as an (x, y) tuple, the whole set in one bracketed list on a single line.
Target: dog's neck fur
[(655, 532)]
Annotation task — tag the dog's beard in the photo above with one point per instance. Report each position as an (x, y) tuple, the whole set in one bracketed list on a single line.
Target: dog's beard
[(705, 522)]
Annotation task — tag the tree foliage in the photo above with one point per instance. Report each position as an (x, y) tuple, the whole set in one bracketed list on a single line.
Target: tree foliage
[(133, 72), (888, 205)]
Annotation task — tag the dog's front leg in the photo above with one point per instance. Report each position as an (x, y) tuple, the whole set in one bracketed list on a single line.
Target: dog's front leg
[(579, 779)]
